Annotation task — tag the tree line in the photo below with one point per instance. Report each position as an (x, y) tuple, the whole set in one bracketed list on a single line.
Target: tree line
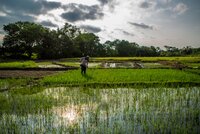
[(27, 40)]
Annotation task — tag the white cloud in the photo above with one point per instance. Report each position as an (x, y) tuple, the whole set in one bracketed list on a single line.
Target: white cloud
[(180, 8), (2, 14)]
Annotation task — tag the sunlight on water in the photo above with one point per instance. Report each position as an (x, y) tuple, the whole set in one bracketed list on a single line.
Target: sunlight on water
[(69, 114), (122, 65), (50, 66)]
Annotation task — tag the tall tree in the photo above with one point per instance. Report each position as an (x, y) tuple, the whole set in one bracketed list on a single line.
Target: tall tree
[(66, 37), (110, 48), (88, 44), (21, 38)]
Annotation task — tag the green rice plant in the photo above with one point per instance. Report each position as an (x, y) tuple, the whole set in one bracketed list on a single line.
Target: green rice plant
[(18, 64), (12, 83), (27, 90), (24, 102), (195, 71), (100, 76), (193, 65)]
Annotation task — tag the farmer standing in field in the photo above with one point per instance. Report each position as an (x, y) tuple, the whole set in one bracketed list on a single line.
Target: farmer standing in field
[(84, 64)]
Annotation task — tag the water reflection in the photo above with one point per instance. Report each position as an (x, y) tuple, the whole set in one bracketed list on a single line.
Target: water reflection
[(69, 113), (122, 65), (50, 66)]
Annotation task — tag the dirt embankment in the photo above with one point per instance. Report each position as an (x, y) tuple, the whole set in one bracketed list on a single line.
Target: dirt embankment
[(174, 64)]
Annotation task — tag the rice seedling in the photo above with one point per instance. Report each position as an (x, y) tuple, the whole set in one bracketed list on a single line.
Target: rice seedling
[(193, 65), (115, 76), (195, 71), (11, 83)]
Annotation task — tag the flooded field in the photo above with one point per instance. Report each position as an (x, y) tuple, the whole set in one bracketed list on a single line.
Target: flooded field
[(88, 110), (119, 64), (50, 66), (147, 65)]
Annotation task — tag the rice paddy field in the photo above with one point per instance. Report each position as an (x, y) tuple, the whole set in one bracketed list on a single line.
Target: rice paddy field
[(17, 64), (156, 98), (144, 59)]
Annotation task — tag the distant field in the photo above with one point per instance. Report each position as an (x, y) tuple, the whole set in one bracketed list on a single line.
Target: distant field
[(18, 64), (95, 62), (144, 59)]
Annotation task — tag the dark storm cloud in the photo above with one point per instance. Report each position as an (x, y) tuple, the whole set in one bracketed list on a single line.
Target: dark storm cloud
[(50, 5), (141, 25), (110, 3), (28, 6), (24, 10), (48, 24), (14, 17), (103, 2), (145, 4), (90, 28), (4, 19), (78, 12), (125, 32)]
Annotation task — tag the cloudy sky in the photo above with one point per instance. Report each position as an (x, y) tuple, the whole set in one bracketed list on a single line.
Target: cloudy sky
[(147, 22)]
